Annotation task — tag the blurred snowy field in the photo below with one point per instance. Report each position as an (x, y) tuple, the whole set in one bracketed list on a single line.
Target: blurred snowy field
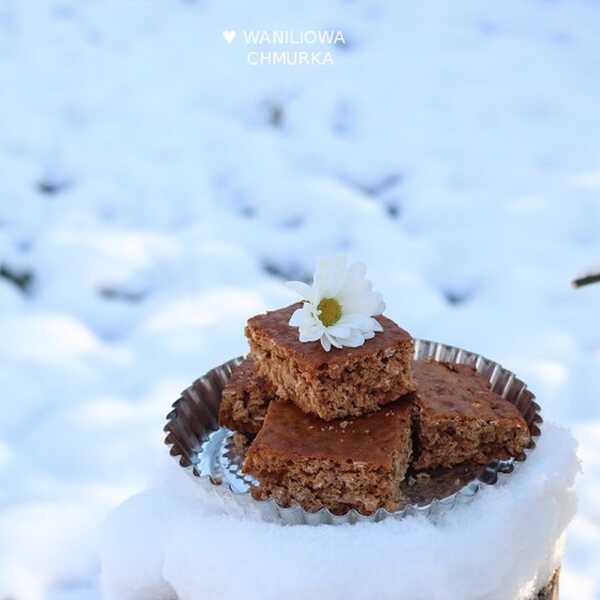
[(156, 190)]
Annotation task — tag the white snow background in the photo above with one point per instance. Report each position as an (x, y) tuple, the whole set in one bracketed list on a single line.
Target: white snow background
[(156, 190)]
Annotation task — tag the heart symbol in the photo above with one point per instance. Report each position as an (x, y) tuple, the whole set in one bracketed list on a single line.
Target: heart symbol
[(229, 35)]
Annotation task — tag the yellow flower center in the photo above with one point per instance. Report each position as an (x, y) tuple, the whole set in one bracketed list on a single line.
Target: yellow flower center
[(329, 311)]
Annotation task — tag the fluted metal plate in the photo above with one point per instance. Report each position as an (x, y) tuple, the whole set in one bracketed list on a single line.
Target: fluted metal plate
[(205, 450)]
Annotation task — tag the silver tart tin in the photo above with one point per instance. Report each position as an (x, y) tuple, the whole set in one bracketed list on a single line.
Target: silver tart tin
[(207, 452)]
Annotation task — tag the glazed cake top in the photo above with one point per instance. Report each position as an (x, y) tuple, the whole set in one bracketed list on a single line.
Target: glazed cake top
[(274, 326), (447, 390), (289, 433), (245, 378)]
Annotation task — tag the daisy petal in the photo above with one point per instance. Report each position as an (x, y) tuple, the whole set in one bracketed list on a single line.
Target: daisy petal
[(322, 277), (361, 301), (380, 305), (305, 291), (310, 335), (355, 281), (356, 321), (325, 343), (339, 266), (376, 325), (338, 343), (357, 270), (355, 340), (329, 276), (298, 317), (339, 330)]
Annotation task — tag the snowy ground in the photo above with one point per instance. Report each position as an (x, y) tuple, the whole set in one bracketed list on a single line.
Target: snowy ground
[(174, 541), (156, 189)]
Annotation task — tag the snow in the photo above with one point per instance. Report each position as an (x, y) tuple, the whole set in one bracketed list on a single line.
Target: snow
[(160, 542), (157, 190)]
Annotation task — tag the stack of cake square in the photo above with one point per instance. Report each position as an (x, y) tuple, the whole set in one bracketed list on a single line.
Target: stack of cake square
[(341, 429)]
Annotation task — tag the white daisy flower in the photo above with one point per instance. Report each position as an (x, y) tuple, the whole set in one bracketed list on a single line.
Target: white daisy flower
[(338, 307)]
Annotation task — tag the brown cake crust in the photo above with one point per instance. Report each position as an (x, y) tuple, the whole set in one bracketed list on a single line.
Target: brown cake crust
[(341, 383), (355, 463), (245, 399), (274, 324), (458, 418)]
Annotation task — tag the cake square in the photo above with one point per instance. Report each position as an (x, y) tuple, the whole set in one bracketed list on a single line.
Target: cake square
[(460, 419), (355, 463), (245, 399), (344, 382)]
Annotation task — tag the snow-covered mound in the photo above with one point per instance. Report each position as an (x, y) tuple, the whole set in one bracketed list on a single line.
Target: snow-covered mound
[(167, 543), (156, 190)]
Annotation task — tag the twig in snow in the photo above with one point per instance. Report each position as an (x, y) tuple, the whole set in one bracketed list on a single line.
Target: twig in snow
[(586, 280)]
